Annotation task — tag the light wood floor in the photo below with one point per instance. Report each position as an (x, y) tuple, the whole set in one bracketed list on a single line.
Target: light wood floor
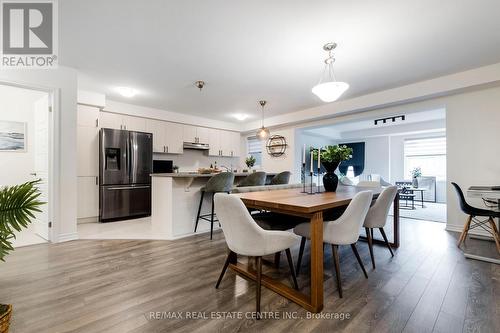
[(113, 285)]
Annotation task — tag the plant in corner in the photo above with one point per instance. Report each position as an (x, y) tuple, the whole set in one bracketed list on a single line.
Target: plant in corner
[(250, 161), (18, 204), (331, 157), (415, 173)]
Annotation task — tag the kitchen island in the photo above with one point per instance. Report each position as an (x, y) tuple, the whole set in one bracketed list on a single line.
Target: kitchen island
[(175, 200)]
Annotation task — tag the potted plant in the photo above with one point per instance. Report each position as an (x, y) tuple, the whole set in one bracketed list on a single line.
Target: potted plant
[(250, 161), (331, 157), (18, 204), (415, 173)]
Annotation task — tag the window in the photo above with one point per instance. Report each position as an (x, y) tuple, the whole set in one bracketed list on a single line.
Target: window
[(429, 154), (254, 148)]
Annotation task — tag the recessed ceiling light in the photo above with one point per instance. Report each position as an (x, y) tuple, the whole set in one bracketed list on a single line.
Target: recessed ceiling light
[(126, 91), (240, 116)]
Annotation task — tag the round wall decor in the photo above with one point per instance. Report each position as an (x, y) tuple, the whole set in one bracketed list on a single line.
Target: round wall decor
[(276, 145)]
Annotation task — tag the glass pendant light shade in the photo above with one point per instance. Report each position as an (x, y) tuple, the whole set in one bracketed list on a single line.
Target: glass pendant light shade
[(330, 91), (263, 133)]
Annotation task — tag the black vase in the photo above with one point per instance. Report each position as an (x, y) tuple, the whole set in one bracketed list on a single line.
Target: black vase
[(330, 179)]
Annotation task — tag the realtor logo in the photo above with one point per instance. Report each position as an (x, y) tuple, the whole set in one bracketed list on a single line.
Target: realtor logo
[(29, 32)]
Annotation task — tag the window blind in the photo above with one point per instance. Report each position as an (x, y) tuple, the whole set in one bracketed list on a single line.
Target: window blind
[(254, 145), (425, 147)]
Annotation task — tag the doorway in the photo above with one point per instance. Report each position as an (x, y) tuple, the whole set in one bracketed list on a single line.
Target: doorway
[(25, 154)]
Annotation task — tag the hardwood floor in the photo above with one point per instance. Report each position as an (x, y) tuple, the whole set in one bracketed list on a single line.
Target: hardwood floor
[(114, 285)]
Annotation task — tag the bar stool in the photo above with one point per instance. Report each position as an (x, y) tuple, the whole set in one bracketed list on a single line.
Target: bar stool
[(281, 178), (222, 182), (254, 179)]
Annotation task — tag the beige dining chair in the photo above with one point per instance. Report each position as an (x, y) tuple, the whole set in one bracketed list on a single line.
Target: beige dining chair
[(343, 231), (245, 237), (377, 218)]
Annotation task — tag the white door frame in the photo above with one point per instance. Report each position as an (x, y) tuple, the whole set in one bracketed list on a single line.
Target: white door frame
[(54, 152)]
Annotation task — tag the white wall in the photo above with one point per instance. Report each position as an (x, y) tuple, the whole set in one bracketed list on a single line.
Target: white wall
[(17, 104), (63, 82)]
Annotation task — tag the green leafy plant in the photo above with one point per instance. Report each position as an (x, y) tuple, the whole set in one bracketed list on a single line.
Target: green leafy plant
[(334, 153), (18, 204), (416, 172), (250, 161)]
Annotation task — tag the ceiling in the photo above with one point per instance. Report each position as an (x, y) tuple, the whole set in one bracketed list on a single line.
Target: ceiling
[(339, 130), (251, 50)]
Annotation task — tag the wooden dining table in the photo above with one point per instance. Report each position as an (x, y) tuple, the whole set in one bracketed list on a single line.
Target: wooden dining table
[(311, 206)]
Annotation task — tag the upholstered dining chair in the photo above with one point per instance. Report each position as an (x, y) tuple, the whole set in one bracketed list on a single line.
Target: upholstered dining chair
[(473, 221), (281, 178), (254, 179), (245, 237), (222, 182), (343, 231), (377, 218)]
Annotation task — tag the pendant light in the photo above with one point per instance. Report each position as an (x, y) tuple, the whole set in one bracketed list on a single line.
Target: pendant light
[(263, 133), (329, 90)]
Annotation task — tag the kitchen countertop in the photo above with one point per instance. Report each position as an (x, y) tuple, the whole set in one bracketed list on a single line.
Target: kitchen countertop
[(200, 175)]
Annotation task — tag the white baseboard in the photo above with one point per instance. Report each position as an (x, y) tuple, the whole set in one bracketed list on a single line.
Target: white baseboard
[(67, 237), (87, 220)]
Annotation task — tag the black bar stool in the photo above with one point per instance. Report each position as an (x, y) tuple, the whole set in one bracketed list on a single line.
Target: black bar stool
[(222, 182), (472, 221)]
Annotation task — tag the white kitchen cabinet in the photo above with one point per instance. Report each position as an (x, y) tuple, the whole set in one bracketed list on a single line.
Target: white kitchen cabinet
[(87, 141), (87, 151), (195, 134), (167, 136), (121, 121), (234, 144), (110, 120), (214, 142), (173, 138), (88, 197), (131, 123), (157, 128)]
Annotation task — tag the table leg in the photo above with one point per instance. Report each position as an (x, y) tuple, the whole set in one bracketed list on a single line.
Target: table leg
[(317, 262)]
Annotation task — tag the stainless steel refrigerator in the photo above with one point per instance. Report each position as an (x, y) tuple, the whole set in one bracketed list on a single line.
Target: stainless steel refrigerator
[(125, 166)]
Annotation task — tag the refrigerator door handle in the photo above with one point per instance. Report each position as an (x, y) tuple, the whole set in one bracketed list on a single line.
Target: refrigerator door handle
[(126, 188)]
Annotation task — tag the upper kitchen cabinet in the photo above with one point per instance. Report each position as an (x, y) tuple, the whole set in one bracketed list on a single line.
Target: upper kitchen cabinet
[(167, 137), (87, 116), (132, 123), (123, 122), (195, 134), (157, 128), (224, 143), (173, 138), (110, 120)]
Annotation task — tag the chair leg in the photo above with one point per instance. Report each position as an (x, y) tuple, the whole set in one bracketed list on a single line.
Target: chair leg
[(199, 211), (301, 253), (355, 250), (221, 276), (336, 263), (370, 245), (277, 259), (292, 270), (386, 241), (495, 233), (259, 278), (212, 217), (465, 230)]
